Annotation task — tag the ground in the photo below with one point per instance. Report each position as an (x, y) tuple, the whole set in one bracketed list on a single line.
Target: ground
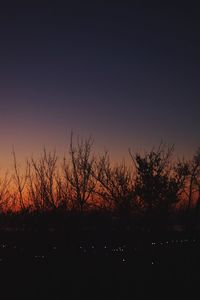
[(36, 266)]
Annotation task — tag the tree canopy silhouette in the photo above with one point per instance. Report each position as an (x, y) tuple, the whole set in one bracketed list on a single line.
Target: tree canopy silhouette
[(151, 189), (156, 187)]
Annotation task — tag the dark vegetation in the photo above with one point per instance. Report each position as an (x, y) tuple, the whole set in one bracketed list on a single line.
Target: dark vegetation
[(152, 192), (86, 227)]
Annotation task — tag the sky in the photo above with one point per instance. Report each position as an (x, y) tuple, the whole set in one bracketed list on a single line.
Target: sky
[(127, 74)]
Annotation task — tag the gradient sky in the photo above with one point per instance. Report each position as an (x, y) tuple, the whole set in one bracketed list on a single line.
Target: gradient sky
[(126, 74)]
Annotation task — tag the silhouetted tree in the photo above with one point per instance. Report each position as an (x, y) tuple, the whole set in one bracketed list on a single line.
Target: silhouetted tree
[(193, 179), (20, 180), (191, 187), (197, 180), (42, 181), (115, 185), (78, 172), (156, 187), (62, 192), (5, 195)]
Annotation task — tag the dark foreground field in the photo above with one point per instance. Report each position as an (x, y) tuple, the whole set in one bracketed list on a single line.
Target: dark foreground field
[(52, 265)]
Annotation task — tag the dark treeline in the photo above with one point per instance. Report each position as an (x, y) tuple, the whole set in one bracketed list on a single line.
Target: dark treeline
[(154, 191)]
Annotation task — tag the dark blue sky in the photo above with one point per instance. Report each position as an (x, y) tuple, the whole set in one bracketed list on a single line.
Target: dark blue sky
[(126, 73)]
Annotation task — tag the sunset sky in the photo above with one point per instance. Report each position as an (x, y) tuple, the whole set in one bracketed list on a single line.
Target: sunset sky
[(126, 74)]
